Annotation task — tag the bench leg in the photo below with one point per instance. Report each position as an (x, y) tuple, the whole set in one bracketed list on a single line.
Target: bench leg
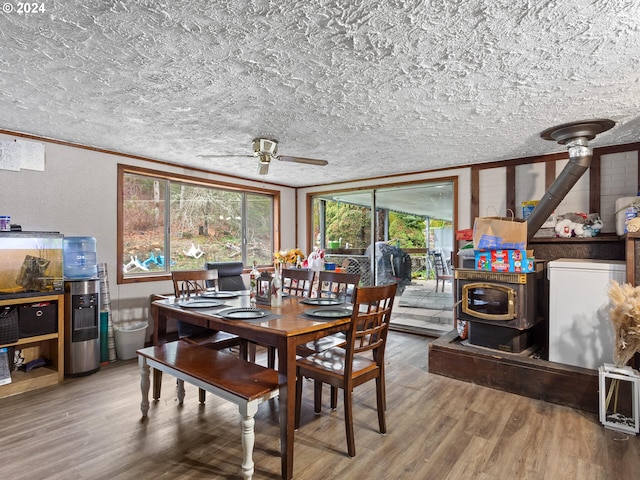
[(144, 385), (247, 411)]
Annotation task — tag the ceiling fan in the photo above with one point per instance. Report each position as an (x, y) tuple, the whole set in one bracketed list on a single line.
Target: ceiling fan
[(266, 149)]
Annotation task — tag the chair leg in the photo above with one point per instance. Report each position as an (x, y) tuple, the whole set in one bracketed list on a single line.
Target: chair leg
[(252, 352), (157, 383), (271, 357), (380, 394), (348, 423), (317, 396), (334, 397), (244, 349), (202, 395), (180, 391)]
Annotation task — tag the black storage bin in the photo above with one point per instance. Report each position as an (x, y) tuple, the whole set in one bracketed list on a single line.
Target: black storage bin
[(38, 319), (8, 325)]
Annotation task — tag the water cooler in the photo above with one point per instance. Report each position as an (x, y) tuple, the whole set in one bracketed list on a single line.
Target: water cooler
[(82, 326), (82, 307)]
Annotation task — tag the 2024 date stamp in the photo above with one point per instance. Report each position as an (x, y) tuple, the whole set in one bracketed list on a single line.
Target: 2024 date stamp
[(23, 8)]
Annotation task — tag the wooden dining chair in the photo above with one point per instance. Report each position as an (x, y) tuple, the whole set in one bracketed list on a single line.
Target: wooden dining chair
[(330, 284), (193, 282), (359, 360), (230, 280), (441, 270), (188, 283), (334, 284), (297, 282)]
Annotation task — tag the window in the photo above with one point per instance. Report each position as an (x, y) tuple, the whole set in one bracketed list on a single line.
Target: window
[(178, 223)]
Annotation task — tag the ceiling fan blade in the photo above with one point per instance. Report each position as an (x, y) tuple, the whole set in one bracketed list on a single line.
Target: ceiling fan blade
[(311, 161), (225, 156)]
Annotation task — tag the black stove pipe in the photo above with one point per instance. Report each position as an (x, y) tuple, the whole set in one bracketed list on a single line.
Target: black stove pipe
[(557, 191)]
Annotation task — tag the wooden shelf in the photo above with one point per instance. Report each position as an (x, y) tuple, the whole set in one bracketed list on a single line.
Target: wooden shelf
[(50, 346), (603, 237)]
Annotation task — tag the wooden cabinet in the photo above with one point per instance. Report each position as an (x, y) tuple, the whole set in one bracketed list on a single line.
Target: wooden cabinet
[(632, 256), (49, 347)]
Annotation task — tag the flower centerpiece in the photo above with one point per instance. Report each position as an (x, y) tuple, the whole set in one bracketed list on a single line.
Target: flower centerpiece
[(286, 258)]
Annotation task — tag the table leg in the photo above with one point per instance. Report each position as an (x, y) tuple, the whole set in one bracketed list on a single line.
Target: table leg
[(287, 402), (144, 385), (159, 337)]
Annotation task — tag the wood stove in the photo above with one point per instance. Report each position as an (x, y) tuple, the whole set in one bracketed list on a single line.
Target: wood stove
[(505, 311)]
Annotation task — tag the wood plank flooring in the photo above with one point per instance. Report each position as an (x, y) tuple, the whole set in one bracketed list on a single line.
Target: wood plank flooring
[(438, 428)]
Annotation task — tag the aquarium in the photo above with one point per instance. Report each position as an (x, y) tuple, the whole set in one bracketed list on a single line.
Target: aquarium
[(31, 263)]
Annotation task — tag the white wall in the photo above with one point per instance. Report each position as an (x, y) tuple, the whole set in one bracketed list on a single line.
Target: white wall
[(619, 173), (76, 195)]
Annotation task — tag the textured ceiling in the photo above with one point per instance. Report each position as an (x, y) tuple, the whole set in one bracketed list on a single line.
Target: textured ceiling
[(374, 87)]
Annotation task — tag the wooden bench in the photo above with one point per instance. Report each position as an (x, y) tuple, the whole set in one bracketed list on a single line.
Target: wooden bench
[(234, 379)]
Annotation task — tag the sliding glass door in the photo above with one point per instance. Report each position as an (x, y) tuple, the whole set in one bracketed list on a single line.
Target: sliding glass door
[(388, 234)]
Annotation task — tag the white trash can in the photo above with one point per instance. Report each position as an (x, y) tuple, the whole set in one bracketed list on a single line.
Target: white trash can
[(129, 338)]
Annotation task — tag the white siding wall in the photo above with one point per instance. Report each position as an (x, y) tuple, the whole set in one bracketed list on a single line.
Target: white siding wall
[(529, 184), (619, 174), (493, 192), (577, 200)]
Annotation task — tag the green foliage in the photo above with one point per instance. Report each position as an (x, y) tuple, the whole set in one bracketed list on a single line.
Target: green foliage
[(409, 230), (349, 222)]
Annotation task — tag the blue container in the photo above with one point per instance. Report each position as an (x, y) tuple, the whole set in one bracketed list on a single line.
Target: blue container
[(79, 257)]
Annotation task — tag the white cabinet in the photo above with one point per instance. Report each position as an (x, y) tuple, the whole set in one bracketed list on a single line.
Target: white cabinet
[(580, 332)]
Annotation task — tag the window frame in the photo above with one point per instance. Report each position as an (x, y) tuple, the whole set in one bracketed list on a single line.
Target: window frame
[(190, 180)]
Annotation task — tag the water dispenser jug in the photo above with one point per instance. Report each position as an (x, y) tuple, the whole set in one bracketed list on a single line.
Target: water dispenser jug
[(80, 257)]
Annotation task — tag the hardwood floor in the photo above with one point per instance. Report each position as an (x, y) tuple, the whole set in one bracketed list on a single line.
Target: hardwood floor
[(438, 428)]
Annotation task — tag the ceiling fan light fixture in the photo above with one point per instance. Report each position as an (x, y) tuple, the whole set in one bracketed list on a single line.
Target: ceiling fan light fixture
[(264, 146), (263, 164)]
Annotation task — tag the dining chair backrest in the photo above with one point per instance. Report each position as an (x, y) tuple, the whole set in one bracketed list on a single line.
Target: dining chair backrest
[(370, 320), (335, 284), (297, 282), (439, 264), (442, 272), (229, 275), (193, 282)]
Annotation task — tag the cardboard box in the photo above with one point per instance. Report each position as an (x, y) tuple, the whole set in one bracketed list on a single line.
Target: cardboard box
[(527, 208), (518, 261)]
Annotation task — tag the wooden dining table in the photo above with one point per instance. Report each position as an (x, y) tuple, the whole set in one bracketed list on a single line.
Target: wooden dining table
[(285, 328)]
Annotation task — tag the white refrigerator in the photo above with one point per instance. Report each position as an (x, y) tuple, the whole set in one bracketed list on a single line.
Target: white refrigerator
[(580, 332)]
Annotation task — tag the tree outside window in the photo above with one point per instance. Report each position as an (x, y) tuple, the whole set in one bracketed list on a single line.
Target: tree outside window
[(173, 224)]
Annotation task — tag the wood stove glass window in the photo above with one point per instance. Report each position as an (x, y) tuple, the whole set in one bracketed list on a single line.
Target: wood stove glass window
[(488, 301)]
